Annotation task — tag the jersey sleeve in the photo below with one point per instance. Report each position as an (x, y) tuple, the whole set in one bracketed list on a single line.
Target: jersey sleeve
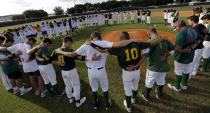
[(12, 49), (82, 58), (104, 44), (81, 50), (114, 51), (179, 40), (143, 45)]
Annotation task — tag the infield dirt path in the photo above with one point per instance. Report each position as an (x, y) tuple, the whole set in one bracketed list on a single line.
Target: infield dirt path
[(140, 34)]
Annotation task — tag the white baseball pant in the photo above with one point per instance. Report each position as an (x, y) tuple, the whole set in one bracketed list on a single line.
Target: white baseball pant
[(130, 81), (206, 50), (119, 19), (148, 19), (181, 69), (196, 61), (71, 80), (152, 76), (48, 74), (110, 21), (5, 80), (95, 76)]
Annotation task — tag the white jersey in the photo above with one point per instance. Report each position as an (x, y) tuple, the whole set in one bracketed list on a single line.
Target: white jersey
[(43, 27), (88, 51), (15, 37), (165, 15), (27, 31), (31, 66)]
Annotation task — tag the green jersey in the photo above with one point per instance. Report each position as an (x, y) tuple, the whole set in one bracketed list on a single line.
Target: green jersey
[(149, 13), (69, 61), (129, 55), (181, 40), (12, 65), (42, 56), (154, 62)]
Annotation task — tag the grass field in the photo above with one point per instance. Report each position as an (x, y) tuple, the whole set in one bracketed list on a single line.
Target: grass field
[(194, 100)]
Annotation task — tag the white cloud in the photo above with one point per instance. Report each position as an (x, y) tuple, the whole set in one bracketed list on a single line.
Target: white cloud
[(8, 7)]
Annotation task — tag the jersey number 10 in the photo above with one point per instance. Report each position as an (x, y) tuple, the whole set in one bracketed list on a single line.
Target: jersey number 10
[(132, 54)]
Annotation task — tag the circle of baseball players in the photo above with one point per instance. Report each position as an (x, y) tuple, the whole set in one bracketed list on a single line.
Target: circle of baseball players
[(191, 45)]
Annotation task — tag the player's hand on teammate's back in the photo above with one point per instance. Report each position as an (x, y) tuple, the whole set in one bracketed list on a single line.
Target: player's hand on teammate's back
[(96, 58), (18, 53)]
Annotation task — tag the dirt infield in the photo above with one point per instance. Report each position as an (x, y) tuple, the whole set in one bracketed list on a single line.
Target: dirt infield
[(181, 13), (140, 34)]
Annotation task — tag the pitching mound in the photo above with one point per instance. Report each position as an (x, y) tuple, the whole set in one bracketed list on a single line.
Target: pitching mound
[(140, 34)]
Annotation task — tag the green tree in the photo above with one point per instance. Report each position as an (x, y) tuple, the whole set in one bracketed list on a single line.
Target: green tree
[(35, 13), (18, 17), (58, 11)]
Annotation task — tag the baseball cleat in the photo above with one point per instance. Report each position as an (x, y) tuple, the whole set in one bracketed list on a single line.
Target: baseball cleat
[(44, 93), (37, 92), (16, 91), (174, 88), (82, 101), (128, 109), (26, 90), (95, 106), (108, 107), (133, 101), (143, 97), (61, 94), (183, 87)]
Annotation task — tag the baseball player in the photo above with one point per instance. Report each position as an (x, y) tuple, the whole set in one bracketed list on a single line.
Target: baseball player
[(30, 66), (143, 18), (4, 77), (69, 72), (148, 16), (115, 17), (184, 54), (11, 68), (165, 17), (44, 29), (200, 28), (132, 17), (125, 17), (206, 43), (139, 16), (45, 67), (129, 59), (157, 64), (96, 69), (110, 19), (119, 17)]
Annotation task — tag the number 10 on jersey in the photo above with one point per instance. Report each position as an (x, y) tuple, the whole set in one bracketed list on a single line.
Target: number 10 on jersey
[(132, 54)]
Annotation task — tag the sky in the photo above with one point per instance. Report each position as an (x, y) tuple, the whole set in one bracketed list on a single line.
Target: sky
[(10, 7)]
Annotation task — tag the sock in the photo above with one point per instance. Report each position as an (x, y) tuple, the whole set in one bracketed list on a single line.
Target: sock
[(159, 90), (147, 92), (48, 88), (56, 89), (106, 96), (185, 79), (95, 97), (178, 81), (77, 101), (205, 64), (134, 93), (21, 89), (128, 100)]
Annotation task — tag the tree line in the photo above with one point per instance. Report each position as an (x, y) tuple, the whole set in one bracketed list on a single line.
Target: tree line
[(81, 8)]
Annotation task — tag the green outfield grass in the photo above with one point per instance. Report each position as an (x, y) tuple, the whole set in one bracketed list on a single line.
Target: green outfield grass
[(194, 100)]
